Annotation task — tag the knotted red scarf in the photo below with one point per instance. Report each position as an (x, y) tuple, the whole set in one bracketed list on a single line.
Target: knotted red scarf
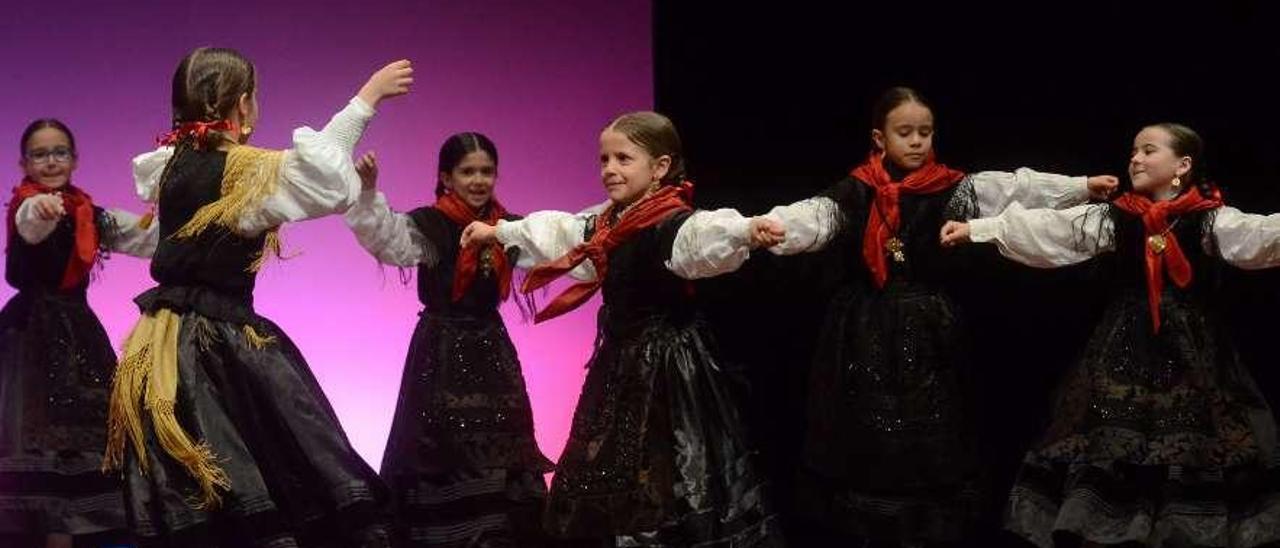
[(884, 218), (468, 263), (650, 211), (1163, 254), (79, 207)]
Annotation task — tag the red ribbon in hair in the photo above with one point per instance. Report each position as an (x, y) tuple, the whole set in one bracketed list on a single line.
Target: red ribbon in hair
[(79, 206), (650, 211), (469, 257), (884, 217), (1162, 250), (198, 130)]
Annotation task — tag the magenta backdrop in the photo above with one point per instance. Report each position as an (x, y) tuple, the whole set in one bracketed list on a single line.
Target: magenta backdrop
[(540, 78)]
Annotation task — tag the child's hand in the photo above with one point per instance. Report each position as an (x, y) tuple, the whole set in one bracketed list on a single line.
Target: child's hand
[(390, 81), (367, 168), (49, 207), (478, 233), (1102, 187), (766, 232), (954, 233)]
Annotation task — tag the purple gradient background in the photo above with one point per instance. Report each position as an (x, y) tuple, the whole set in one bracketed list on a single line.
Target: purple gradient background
[(541, 79)]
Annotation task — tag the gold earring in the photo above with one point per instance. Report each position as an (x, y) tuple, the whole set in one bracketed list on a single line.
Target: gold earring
[(246, 130), (1176, 183)]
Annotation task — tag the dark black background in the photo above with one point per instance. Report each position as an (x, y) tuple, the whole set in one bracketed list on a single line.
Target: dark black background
[(773, 104)]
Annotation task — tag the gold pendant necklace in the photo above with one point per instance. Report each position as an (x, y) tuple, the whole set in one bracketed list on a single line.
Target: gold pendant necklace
[(896, 247), (1160, 242)]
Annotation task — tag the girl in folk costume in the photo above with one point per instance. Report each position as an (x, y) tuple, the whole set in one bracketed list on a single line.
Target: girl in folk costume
[(461, 460), (890, 454), (55, 357), (1159, 436), (657, 454), (224, 436)]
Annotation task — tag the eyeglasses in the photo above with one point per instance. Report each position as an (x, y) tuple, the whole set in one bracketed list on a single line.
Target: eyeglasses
[(60, 155)]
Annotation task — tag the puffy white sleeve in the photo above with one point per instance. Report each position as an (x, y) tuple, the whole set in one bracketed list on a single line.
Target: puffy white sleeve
[(390, 237), (810, 224), (1247, 240), (545, 236), (147, 168), (1047, 238), (131, 239), (127, 237), (1029, 188), (710, 243), (31, 228), (318, 176)]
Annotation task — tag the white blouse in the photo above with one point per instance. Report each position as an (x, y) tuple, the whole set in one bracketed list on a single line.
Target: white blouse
[(131, 239), (716, 242), (544, 236), (1047, 238), (390, 237), (709, 243), (317, 178), (811, 223)]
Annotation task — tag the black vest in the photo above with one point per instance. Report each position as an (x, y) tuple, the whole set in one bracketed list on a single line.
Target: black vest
[(435, 283), (40, 267), (920, 220), (217, 259), (637, 285)]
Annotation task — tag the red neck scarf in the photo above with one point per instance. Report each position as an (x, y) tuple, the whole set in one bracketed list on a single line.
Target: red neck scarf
[(1162, 250), (883, 219), (79, 207), (468, 264), (650, 211)]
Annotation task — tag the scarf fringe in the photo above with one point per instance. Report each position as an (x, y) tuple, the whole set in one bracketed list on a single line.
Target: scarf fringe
[(151, 361), (256, 340), (197, 458), (250, 176)]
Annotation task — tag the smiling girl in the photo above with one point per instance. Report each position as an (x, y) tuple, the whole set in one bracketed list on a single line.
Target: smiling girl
[(462, 462), (657, 455), (55, 357), (1159, 436)]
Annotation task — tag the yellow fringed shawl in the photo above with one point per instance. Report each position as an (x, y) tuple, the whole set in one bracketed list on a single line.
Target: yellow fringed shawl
[(146, 381)]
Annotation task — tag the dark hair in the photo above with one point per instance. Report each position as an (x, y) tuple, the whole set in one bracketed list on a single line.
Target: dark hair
[(40, 124), (657, 135), (457, 147), (208, 85), (1186, 142), (892, 98)]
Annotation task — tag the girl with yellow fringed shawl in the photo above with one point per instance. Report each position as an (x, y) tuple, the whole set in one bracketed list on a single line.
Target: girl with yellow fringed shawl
[(215, 416)]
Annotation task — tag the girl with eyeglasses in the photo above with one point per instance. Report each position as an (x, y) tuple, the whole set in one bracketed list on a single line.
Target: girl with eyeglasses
[(55, 357)]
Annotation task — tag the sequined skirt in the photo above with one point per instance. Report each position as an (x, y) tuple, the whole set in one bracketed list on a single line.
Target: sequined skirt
[(55, 370), (462, 462), (658, 454), (295, 479), (462, 404), (1159, 439), (890, 450)]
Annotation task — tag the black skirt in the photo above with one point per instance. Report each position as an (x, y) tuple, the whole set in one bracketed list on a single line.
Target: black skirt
[(295, 479), (889, 451), (1157, 439), (55, 372), (658, 454), (462, 462)]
